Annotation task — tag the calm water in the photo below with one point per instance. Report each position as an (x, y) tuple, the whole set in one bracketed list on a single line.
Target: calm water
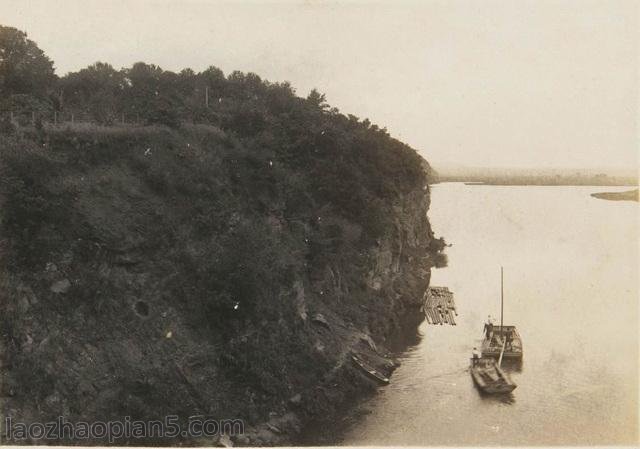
[(571, 287)]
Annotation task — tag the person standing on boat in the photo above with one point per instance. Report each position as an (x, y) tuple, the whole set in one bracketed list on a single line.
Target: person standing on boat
[(475, 356), (508, 339), (488, 327)]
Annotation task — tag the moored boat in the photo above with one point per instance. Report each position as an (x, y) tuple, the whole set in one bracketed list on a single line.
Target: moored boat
[(369, 371)]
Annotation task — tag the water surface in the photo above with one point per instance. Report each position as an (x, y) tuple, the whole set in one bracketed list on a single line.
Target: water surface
[(571, 288)]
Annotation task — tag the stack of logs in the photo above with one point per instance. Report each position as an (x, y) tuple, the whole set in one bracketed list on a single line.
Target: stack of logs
[(439, 307)]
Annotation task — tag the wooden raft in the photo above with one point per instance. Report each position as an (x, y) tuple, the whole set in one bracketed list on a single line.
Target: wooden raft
[(439, 307)]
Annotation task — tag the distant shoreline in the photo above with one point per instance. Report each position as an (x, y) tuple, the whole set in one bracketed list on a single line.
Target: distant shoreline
[(629, 195), (541, 181), (513, 177), (535, 184)]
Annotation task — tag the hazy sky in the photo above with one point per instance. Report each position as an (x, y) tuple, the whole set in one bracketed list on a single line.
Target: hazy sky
[(478, 83)]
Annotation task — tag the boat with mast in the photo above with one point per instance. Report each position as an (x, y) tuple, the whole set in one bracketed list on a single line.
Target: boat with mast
[(485, 371), (504, 341)]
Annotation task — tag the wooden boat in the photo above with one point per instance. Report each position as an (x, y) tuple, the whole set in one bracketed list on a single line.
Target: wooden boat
[(370, 372), (489, 377), (492, 347), (495, 344)]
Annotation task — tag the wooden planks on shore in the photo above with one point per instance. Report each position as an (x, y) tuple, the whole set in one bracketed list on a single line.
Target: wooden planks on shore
[(439, 306)]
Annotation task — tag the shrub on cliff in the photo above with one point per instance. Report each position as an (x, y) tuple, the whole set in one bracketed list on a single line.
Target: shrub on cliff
[(36, 206)]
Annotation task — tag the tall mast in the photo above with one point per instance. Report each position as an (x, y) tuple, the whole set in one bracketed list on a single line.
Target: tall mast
[(501, 297)]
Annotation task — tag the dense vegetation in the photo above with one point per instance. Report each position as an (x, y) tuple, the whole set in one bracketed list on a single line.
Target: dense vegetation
[(186, 236), (267, 119)]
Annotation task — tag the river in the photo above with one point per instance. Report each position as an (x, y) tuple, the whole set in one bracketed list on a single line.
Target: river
[(571, 288)]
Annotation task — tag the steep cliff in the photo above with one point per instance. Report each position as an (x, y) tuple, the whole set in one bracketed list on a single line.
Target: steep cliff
[(148, 271)]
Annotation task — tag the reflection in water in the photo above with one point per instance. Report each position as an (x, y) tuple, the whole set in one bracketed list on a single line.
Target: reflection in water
[(571, 288), (502, 398), (407, 338)]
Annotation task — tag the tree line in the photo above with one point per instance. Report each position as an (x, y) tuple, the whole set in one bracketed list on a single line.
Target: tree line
[(143, 93), (352, 163)]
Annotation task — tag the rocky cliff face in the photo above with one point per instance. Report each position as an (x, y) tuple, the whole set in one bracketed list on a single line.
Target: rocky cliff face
[(396, 276), (147, 272)]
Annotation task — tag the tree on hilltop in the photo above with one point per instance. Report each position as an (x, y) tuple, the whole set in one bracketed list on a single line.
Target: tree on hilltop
[(24, 68)]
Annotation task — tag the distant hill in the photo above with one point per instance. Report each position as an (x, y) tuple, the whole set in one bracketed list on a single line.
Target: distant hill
[(522, 176)]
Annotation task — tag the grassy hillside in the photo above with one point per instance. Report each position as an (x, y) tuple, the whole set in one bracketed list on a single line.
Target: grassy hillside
[(149, 271)]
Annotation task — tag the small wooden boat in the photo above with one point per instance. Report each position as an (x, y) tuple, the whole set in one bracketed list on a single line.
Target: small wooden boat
[(369, 371), (489, 377)]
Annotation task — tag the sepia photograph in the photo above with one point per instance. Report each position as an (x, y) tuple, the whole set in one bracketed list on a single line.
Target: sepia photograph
[(319, 223)]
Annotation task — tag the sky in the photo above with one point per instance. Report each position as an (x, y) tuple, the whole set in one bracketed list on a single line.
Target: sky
[(491, 83)]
